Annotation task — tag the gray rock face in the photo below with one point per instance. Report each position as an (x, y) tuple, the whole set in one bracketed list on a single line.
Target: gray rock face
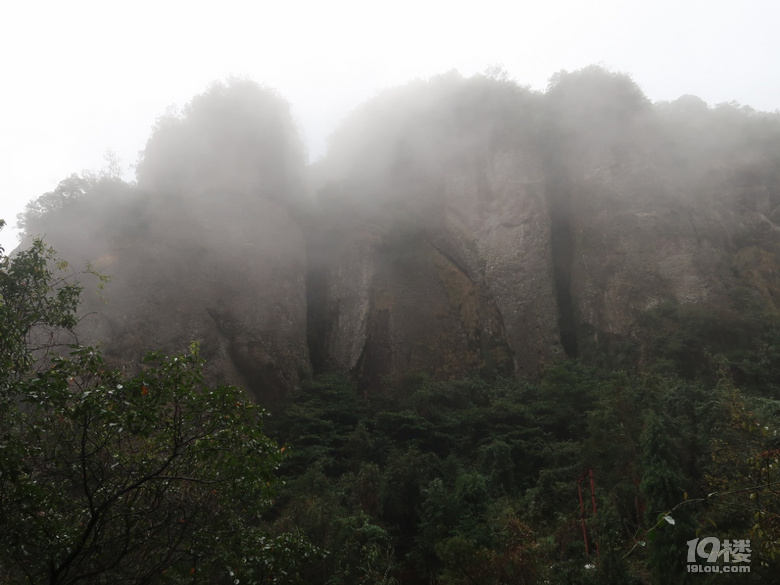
[(498, 209), (209, 275), (391, 304), (566, 227), (652, 225), (442, 261), (207, 247), (456, 227)]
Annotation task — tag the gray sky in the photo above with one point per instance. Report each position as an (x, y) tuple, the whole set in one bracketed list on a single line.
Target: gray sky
[(80, 77)]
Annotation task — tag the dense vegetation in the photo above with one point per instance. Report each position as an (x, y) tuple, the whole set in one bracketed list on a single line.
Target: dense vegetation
[(601, 469), (590, 475), (112, 476), (476, 481)]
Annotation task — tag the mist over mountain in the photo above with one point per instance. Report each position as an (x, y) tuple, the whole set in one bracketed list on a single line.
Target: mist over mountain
[(456, 226)]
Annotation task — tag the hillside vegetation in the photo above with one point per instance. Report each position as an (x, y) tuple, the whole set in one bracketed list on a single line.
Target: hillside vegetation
[(507, 336)]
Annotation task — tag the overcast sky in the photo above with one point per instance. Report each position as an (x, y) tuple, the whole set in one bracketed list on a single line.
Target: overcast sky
[(81, 77)]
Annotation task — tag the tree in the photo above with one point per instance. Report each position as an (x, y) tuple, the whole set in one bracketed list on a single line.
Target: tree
[(33, 301), (237, 137), (68, 192), (107, 477), (662, 486), (741, 475)]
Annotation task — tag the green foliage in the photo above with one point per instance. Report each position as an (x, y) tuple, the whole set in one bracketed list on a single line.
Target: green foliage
[(434, 468), (662, 486), (365, 553), (414, 135), (107, 477), (685, 339), (69, 191), (236, 136), (475, 481), (86, 210), (593, 109), (38, 299), (742, 475)]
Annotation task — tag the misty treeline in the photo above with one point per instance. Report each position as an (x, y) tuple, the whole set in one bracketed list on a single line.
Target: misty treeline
[(238, 140), (405, 465), (108, 476), (234, 140)]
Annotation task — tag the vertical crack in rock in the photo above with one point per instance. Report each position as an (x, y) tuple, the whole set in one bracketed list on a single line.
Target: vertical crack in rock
[(559, 188), (317, 322), (260, 375)]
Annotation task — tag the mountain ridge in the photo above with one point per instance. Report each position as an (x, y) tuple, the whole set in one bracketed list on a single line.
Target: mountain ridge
[(455, 227)]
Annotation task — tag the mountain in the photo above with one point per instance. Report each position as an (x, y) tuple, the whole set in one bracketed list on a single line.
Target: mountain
[(456, 226)]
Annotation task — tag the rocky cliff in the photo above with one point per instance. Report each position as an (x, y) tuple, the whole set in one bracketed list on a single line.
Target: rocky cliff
[(456, 226), (205, 247), (439, 190), (569, 215)]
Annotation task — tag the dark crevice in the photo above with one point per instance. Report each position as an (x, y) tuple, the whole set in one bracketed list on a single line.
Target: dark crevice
[(260, 376), (376, 360), (559, 188), (317, 322), (451, 259), (488, 349)]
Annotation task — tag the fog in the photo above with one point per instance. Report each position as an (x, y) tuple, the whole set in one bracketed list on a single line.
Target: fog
[(448, 218), (85, 77), (477, 287)]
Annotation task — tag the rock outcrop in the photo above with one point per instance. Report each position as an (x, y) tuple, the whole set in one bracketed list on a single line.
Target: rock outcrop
[(206, 246), (568, 214), (455, 227), (442, 237)]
